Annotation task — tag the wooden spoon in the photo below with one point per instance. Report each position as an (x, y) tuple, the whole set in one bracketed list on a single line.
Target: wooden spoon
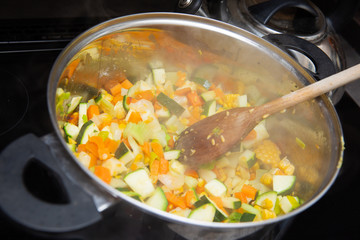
[(213, 136)]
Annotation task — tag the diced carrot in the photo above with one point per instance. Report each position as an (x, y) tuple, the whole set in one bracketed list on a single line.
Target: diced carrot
[(92, 148), (157, 148), (102, 151), (189, 196), (176, 201), (154, 170), (192, 173), (147, 94), (182, 91), (241, 196), (218, 202), (251, 136), (93, 160), (164, 166), (249, 191), (126, 84), (146, 148), (103, 173), (116, 89), (216, 171), (252, 175), (116, 98), (135, 117), (110, 144), (181, 79), (70, 69), (194, 99), (81, 148), (240, 210), (93, 110)]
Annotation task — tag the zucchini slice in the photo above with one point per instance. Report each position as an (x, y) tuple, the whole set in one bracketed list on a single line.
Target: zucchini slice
[(159, 76), (271, 196), (284, 184), (88, 129), (71, 130), (209, 108), (205, 213), (75, 101), (216, 188), (140, 182), (124, 154), (247, 158), (82, 114), (170, 104), (158, 199)]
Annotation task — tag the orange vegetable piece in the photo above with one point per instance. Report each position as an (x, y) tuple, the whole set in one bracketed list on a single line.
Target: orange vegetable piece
[(241, 196), (93, 110), (171, 143), (126, 84), (176, 201), (110, 144), (191, 173), (164, 166), (81, 148), (148, 95), (157, 148), (146, 148), (218, 202), (135, 117), (93, 160), (194, 99), (251, 136), (181, 79), (92, 148), (154, 170), (103, 173), (189, 196), (182, 91), (116, 98), (74, 118), (249, 191), (116, 89)]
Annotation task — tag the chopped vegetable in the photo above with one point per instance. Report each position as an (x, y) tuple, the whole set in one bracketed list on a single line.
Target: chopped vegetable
[(127, 137)]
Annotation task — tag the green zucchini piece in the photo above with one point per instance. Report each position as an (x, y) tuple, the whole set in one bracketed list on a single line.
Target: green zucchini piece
[(82, 114), (71, 130), (234, 217), (205, 212), (203, 82), (247, 217), (208, 96), (271, 195), (247, 158), (170, 104), (124, 154), (209, 108), (140, 182), (250, 209), (75, 101), (284, 184), (231, 202), (158, 199), (88, 129), (216, 188)]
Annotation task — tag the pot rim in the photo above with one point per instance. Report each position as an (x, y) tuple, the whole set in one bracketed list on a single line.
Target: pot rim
[(148, 20)]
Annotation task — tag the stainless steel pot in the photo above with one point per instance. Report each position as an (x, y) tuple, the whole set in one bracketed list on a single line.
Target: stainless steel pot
[(249, 58)]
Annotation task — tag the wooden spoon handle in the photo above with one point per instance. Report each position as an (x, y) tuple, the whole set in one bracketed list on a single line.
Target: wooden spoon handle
[(311, 91)]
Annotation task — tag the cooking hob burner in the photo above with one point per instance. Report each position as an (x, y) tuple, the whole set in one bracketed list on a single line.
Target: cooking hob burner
[(14, 101)]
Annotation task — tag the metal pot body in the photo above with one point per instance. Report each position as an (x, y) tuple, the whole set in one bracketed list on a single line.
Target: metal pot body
[(180, 41)]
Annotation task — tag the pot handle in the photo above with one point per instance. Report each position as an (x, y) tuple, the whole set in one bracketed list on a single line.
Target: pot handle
[(24, 207), (264, 11), (323, 65)]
